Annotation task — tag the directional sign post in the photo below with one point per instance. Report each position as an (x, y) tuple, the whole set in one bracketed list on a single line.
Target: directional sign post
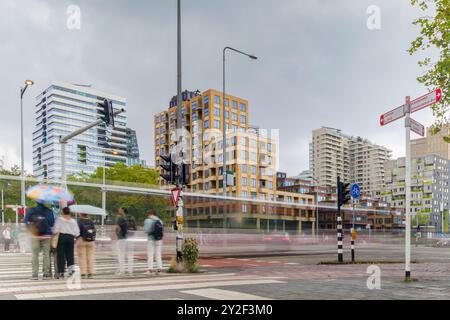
[(410, 125)]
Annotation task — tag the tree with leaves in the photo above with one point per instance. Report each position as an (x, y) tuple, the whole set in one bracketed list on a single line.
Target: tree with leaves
[(435, 34), (120, 174)]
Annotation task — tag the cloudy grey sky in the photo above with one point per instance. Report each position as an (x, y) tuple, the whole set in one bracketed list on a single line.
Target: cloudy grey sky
[(319, 65)]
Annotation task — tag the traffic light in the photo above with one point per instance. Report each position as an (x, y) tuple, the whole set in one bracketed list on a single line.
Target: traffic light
[(22, 211), (171, 168), (186, 174), (107, 112), (343, 193)]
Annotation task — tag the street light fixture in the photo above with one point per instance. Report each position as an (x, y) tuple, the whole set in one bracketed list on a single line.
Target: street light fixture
[(224, 140), (22, 167)]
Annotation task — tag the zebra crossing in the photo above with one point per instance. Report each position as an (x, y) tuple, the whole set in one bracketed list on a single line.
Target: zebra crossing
[(15, 272)]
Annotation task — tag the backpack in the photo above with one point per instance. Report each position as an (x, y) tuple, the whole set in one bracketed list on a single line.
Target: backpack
[(123, 224), (39, 223), (87, 230), (158, 230)]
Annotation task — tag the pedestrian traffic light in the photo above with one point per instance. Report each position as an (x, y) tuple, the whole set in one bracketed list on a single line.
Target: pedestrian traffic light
[(169, 169), (107, 112), (343, 193), (22, 211)]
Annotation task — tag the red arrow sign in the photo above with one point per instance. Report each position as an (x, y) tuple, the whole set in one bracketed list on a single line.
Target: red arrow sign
[(426, 100), (392, 115)]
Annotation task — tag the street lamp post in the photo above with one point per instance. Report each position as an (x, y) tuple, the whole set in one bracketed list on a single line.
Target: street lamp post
[(22, 167), (224, 134), (317, 206), (3, 211)]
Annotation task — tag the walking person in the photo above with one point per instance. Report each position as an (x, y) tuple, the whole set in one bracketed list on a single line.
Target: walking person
[(154, 227), (15, 239), (67, 230), (7, 238), (40, 220), (86, 246), (124, 247)]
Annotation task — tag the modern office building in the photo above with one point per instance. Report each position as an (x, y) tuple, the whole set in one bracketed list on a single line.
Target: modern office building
[(63, 108), (250, 154), (432, 144), (354, 159), (251, 160), (429, 189), (133, 156)]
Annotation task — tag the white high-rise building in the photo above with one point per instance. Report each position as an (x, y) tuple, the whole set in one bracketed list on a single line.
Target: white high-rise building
[(354, 159), (63, 108)]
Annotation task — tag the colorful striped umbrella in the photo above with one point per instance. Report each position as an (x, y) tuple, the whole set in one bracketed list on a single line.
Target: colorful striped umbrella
[(49, 194)]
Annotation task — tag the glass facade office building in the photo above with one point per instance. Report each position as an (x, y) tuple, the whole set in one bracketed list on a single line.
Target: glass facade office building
[(63, 108)]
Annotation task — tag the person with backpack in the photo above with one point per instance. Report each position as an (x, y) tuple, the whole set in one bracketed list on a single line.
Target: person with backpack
[(124, 247), (66, 229), (86, 246), (154, 228), (40, 220)]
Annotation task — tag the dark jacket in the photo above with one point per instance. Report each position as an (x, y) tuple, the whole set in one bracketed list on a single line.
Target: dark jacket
[(43, 210)]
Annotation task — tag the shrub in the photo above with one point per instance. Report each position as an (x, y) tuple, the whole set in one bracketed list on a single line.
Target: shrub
[(191, 254)]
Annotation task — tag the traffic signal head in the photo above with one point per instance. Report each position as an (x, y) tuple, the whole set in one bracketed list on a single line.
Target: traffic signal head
[(344, 193), (169, 169), (107, 112)]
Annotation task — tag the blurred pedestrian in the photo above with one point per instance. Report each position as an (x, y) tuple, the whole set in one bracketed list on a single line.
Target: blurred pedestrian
[(40, 221), (15, 239), (124, 247), (86, 246), (67, 230), (154, 228), (7, 238)]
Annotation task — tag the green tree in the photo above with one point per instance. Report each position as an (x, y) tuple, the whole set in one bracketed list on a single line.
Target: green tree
[(435, 34), (120, 174)]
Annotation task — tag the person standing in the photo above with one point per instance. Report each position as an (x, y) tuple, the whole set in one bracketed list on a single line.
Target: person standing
[(7, 238), (154, 227), (15, 239), (40, 221), (86, 246), (66, 229), (124, 249)]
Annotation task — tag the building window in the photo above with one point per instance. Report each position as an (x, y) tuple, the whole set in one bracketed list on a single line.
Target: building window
[(244, 181), (253, 169), (206, 124), (235, 117), (217, 124), (216, 111), (243, 107), (243, 118), (270, 187), (206, 111), (216, 99), (244, 168), (234, 104)]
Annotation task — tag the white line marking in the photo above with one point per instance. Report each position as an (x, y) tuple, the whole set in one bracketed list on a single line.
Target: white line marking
[(219, 294)]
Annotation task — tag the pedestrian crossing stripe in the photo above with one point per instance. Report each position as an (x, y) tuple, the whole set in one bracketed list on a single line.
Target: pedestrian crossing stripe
[(145, 288), (219, 294)]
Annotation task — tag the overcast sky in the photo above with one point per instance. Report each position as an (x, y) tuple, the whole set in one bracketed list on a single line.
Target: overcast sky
[(319, 64)]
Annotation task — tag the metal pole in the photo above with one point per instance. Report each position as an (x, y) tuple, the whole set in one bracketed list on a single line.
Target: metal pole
[(63, 164), (408, 190), (104, 196), (224, 144), (3, 211), (353, 230), (339, 225), (180, 213), (317, 214), (22, 160)]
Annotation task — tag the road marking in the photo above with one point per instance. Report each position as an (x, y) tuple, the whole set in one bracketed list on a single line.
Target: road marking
[(292, 263), (219, 294), (151, 287)]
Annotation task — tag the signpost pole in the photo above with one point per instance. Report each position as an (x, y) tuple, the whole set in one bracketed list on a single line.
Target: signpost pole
[(408, 190), (353, 232)]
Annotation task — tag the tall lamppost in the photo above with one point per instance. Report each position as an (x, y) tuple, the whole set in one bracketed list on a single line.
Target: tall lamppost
[(22, 168), (224, 134), (317, 205)]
